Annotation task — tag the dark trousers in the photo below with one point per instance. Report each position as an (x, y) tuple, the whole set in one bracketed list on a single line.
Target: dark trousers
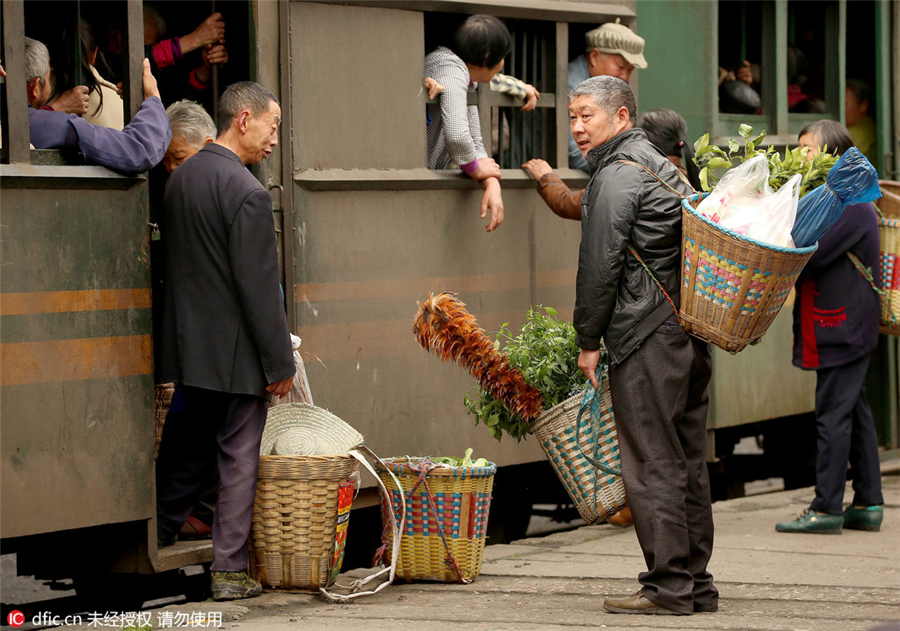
[(846, 432), (660, 398), (217, 430)]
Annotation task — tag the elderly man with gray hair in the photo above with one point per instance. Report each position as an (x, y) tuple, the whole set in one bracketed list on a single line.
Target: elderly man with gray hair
[(132, 150), (192, 129), (627, 293), (224, 339)]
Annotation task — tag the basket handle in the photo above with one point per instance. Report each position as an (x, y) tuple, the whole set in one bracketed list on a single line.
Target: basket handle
[(586, 405), (884, 295), (390, 570)]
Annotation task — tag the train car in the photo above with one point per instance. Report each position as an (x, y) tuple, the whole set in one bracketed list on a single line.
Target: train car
[(365, 230)]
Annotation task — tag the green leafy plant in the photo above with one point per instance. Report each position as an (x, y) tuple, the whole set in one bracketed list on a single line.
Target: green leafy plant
[(546, 354), (714, 161)]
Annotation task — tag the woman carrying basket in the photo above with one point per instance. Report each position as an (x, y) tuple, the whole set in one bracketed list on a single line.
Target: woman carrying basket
[(836, 315), (627, 294)]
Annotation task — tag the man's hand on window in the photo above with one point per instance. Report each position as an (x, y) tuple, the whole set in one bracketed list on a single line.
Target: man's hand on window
[(531, 98), (537, 168), (211, 30), (492, 202), (74, 101), (150, 87), (212, 54), (487, 167), (434, 88)]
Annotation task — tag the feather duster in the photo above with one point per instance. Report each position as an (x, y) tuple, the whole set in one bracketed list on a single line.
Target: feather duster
[(444, 327)]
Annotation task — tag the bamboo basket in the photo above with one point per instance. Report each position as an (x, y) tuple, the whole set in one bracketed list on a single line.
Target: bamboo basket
[(443, 539), (295, 518), (889, 236), (597, 494), (732, 286)]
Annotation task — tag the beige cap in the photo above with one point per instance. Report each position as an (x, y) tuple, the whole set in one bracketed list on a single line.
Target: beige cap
[(617, 39)]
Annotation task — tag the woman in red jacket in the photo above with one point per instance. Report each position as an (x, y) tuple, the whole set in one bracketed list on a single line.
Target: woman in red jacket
[(836, 314)]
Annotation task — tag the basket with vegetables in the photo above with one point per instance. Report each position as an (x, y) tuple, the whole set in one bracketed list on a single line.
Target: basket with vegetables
[(533, 386), (746, 242), (447, 502)]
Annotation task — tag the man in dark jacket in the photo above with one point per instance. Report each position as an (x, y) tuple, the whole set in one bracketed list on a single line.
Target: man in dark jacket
[(225, 337), (836, 315), (658, 374)]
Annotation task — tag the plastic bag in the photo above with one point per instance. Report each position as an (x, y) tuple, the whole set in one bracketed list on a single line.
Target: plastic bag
[(776, 215), (299, 392), (739, 190), (852, 180), (744, 203)]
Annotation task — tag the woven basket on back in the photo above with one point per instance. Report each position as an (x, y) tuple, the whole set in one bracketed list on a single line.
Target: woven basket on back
[(889, 233), (732, 286), (295, 515), (443, 539), (597, 494)]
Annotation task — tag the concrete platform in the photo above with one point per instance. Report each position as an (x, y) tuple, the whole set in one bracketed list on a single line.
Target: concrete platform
[(767, 580)]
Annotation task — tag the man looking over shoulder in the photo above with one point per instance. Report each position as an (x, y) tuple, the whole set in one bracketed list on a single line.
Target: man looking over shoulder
[(658, 375), (135, 149), (225, 337)]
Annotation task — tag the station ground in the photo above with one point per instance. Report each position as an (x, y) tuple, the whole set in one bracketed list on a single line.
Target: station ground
[(767, 581)]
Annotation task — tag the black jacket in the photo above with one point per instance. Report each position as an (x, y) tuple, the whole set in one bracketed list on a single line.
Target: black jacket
[(836, 311), (224, 326), (623, 205)]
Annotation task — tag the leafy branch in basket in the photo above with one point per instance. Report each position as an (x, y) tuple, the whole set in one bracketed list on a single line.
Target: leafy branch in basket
[(546, 354), (714, 161)]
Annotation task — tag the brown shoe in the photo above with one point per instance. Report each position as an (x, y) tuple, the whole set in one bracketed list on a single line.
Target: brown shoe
[(638, 603), (622, 519)]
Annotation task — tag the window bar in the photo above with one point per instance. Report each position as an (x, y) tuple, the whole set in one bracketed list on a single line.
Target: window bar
[(561, 118), (15, 127), (134, 47)]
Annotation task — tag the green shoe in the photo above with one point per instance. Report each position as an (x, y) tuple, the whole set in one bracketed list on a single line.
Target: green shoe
[(868, 518), (233, 585), (812, 522)]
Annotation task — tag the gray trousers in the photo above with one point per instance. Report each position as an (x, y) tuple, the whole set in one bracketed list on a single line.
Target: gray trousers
[(660, 398), (215, 430)]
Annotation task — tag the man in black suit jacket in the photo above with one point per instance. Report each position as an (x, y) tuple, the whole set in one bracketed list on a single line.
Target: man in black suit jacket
[(225, 337)]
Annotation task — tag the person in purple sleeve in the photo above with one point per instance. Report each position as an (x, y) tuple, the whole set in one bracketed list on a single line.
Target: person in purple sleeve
[(135, 149), (836, 314)]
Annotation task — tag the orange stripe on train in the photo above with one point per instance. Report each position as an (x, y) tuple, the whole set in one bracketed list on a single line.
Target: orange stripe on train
[(73, 360), (67, 301)]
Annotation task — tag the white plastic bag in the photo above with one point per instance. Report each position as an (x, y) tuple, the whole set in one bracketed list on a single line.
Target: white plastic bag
[(299, 392), (776, 216), (739, 189)]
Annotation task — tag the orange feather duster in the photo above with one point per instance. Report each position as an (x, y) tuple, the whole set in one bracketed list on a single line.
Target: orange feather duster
[(444, 327)]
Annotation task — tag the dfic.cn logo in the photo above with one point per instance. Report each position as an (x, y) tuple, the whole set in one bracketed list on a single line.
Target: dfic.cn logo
[(15, 618)]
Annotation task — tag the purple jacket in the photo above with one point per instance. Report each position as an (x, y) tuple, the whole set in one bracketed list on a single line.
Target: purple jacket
[(135, 149), (836, 311)]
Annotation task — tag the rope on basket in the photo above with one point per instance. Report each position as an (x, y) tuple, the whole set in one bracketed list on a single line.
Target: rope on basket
[(422, 469), (591, 401), (885, 296)]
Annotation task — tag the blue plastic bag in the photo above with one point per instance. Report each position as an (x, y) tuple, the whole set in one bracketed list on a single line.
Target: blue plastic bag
[(852, 180)]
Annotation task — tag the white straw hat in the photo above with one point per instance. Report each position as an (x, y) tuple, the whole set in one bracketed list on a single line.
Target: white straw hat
[(301, 429)]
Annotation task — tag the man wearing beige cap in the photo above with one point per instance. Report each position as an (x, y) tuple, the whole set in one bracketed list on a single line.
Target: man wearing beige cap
[(613, 50)]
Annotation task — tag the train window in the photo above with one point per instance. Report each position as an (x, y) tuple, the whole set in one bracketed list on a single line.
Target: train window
[(511, 136), (740, 74)]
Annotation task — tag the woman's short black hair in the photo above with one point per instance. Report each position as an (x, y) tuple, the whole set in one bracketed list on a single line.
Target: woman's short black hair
[(482, 40), (829, 134), (667, 130)]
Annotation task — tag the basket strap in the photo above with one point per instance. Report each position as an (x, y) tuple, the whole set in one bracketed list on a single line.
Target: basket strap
[(390, 570), (659, 179), (658, 284), (589, 404), (867, 274), (422, 469)]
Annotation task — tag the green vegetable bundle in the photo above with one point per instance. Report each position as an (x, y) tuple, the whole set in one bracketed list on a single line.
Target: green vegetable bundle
[(546, 354), (714, 161), (465, 461)]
